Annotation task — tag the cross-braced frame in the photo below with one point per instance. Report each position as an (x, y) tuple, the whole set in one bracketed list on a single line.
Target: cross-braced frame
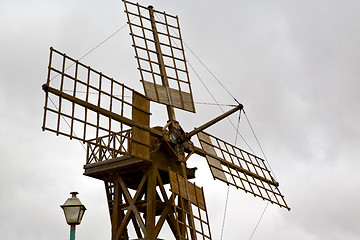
[(160, 56)]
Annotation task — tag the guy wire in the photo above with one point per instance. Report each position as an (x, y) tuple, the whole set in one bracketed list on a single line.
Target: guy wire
[(228, 189), (98, 45), (257, 140), (82, 144)]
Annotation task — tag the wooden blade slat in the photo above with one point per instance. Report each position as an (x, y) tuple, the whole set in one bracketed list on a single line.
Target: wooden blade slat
[(240, 168)]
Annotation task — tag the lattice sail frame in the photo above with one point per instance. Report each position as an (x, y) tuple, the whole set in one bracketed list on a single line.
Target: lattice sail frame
[(190, 203), (106, 137), (160, 56), (241, 169)]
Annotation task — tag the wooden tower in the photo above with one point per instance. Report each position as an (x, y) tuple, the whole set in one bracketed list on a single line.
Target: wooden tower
[(144, 168)]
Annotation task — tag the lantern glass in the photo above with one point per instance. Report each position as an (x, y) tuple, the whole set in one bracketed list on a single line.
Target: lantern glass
[(73, 210)]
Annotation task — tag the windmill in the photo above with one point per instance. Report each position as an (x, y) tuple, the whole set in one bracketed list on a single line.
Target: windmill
[(144, 168)]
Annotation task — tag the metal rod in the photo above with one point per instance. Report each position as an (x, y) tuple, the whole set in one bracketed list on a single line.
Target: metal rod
[(72, 232), (212, 122)]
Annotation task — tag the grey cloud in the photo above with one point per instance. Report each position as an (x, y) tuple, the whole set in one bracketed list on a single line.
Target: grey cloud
[(293, 64)]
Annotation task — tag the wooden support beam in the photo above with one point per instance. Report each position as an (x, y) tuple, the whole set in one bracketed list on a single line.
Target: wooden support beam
[(151, 204), (212, 122), (170, 108)]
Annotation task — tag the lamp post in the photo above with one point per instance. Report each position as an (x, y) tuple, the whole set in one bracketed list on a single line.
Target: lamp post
[(74, 211)]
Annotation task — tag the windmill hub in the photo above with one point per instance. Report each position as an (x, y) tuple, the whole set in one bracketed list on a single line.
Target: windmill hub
[(173, 140)]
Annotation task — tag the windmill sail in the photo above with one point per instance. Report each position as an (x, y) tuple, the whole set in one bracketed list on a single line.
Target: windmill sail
[(190, 209), (84, 104), (160, 56), (241, 169)]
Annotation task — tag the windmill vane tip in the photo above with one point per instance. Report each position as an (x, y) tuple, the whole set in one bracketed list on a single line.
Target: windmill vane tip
[(45, 87)]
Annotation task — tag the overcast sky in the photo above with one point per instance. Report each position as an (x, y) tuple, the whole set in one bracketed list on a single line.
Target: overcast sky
[(295, 65)]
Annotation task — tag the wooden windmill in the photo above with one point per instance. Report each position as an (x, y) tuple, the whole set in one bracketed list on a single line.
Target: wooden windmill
[(138, 163)]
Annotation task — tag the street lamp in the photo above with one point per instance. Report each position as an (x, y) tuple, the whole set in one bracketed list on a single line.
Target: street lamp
[(74, 211)]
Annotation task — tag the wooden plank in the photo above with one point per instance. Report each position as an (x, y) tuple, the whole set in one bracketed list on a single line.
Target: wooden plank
[(191, 192), (206, 144), (174, 182), (117, 215), (157, 94), (122, 164), (140, 144), (188, 102), (200, 198), (150, 221), (216, 168), (178, 184), (182, 100), (182, 186), (214, 163)]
